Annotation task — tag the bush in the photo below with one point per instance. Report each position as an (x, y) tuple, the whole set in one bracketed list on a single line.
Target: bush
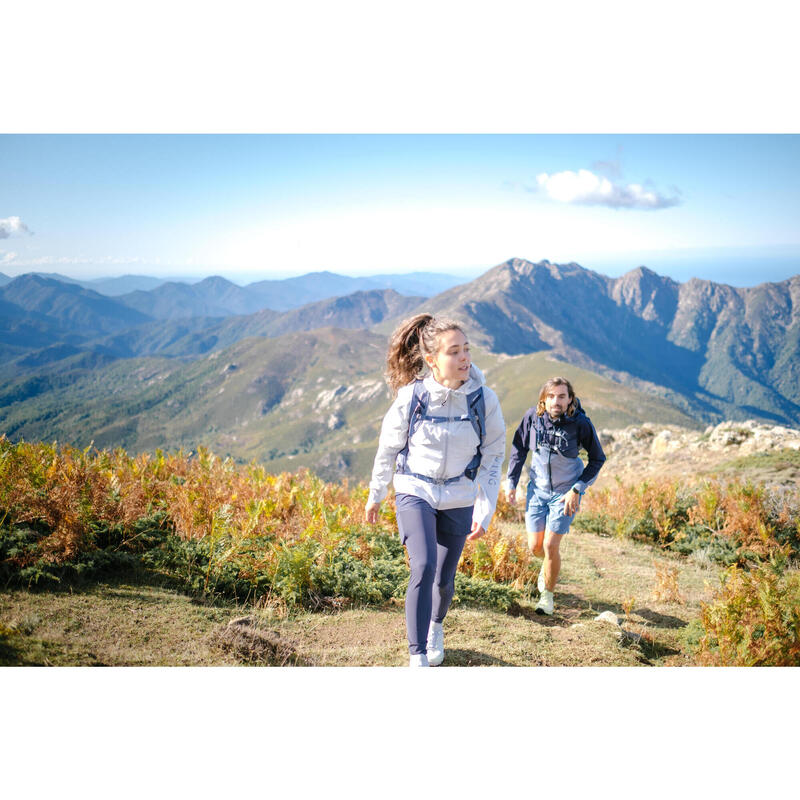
[(479, 591), (732, 522), (22, 564), (755, 618), (499, 558), (649, 511), (696, 538), (218, 529)]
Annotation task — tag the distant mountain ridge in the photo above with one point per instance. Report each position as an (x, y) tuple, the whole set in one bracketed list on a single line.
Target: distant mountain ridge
[(711, 348), (219, 297), (278, 294), (211, 297), (305, 386), (199, 335), (111, 287), (68, 304), (36, 334)]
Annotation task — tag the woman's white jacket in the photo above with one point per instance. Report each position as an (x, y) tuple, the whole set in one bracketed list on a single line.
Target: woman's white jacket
[(443, 450)]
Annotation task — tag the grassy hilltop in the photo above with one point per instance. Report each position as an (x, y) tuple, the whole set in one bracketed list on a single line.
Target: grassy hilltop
[(164, 559)]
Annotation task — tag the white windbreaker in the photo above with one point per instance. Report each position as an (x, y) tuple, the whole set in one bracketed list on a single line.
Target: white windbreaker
[(443, 450)]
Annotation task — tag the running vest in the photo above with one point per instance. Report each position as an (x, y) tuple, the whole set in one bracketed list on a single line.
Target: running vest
[(418, 411)]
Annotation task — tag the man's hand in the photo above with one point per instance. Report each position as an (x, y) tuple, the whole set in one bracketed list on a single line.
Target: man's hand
[(371, 512), (572, 500), (475, 532), (511, 496)]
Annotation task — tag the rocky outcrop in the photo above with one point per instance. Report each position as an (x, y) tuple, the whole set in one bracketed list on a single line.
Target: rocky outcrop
[(729, 438), (647, 451)]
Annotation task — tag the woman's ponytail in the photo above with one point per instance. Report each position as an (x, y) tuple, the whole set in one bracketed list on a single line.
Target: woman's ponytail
[(404, 361), (410, 343)]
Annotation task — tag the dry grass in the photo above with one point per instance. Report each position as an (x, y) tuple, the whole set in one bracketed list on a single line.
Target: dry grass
[(253, 520), (666, 588), (127, 623), (251, 644), (141, 623)]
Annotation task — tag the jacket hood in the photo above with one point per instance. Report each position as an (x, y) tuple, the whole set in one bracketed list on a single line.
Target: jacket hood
[(439, 392)]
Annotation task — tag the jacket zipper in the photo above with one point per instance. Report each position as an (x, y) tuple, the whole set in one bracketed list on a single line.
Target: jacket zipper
[(446, 438)]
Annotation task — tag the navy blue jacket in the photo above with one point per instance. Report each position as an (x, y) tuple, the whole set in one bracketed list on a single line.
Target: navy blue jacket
[(555, 464)]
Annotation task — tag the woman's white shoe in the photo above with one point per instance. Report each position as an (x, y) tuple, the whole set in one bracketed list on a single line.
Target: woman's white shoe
[(435, 644), (420, 660)]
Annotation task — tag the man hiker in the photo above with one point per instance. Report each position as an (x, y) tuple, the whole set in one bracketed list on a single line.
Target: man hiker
[(555, 430)]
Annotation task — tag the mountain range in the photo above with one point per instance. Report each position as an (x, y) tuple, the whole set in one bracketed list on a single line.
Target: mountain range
[(169, 298), (713, 350), (304, 385), (107, 286)]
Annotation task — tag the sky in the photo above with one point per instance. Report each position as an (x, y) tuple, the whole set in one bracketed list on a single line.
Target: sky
[(722, 207)]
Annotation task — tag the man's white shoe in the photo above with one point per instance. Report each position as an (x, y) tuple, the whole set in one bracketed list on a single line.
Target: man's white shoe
[(540, 579), (420, 660), (435, 644), (545, 604)]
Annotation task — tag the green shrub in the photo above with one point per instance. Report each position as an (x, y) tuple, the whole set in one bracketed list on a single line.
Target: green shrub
[(479, 591), (694, 538), (217, 529), (755, 618), (22, 565), (191, 563)]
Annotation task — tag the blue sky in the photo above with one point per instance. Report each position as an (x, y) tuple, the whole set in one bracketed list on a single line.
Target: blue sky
[(723, 207)]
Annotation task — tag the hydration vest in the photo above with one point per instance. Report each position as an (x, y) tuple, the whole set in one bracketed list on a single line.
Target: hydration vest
[(418, 411)]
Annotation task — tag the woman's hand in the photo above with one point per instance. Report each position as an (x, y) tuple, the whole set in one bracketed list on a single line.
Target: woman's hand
[(475, 532), (371, 512)]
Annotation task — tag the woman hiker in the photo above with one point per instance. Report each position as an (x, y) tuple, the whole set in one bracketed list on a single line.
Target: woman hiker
[(444, 437)]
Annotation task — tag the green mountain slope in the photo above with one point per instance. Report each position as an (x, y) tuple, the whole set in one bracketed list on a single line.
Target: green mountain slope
[(69, 305), (312, 399)]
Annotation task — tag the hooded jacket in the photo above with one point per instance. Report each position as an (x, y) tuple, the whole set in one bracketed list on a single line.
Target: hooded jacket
[(555, 464), (443, 450)]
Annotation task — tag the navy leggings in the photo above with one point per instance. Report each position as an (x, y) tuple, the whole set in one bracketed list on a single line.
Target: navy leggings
[(434, 541)]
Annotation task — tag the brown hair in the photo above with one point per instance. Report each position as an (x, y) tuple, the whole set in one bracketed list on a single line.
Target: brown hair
[(410, 343), (551, 384)]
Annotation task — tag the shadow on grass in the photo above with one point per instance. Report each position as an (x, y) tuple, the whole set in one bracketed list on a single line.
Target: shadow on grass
[(654, 651), (566, 606), (660, 620), (33, 653), (472, 658), (125, 580), (653, 617), (650, 652), (9, 655)]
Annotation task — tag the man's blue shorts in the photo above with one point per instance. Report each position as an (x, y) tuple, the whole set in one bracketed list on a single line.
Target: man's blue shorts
[(545, 511)]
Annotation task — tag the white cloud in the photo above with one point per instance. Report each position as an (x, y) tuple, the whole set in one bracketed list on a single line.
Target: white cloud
[(585, 188), (7, 258), (11, 226), (400, 238)]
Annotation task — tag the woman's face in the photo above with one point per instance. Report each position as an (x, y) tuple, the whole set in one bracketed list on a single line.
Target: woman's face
[(451, 362)]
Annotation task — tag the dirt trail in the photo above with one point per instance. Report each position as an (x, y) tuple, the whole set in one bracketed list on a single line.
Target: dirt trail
[(598, 574)]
